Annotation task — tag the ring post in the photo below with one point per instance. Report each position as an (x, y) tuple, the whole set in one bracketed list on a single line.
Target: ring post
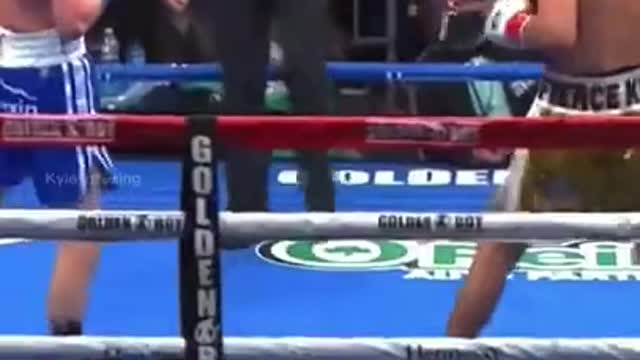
[(199, 250)]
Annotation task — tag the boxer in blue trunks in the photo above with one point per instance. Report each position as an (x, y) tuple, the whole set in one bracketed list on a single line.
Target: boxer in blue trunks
[(44, 69)]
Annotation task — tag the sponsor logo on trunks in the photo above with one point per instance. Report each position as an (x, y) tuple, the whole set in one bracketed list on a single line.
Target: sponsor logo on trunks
[(449, 260), (414, 177), (16, 100)]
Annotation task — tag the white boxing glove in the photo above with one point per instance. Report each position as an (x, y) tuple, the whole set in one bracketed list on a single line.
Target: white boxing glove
[(506, 21)]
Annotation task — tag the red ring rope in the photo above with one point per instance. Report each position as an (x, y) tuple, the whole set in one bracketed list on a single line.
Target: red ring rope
[(139, 132)]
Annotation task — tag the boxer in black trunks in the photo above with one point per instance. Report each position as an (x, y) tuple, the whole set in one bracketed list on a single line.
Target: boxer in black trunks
[(592, 68)]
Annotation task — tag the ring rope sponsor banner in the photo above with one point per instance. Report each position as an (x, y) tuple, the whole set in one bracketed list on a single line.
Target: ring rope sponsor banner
[(141, 223), (248, 228), (61, 130), (296, 348), (450, 260), (82, 225), (497, 226)]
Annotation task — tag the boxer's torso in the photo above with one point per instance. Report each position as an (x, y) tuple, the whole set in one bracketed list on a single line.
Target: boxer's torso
[(26, 15), (600, 76), (607, 38)]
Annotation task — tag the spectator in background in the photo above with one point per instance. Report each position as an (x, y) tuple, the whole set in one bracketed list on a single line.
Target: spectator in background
[(172, 30), (183, 34), (243, 39), (454, 30)]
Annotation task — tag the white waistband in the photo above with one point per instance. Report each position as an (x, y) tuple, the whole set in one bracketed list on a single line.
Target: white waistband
[(604, 80), (37, 49), (608, 94)]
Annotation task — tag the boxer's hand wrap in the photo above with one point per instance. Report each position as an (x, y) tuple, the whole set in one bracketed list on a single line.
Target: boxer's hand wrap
[(506, 21)]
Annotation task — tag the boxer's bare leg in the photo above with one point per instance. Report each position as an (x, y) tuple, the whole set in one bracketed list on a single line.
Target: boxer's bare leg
[(69, 288), (71, 277), (73, 270), (576, 37), (482, 290), (75, 262)]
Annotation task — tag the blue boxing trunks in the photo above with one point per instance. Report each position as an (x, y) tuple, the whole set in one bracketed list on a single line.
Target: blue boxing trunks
[(41, 73)]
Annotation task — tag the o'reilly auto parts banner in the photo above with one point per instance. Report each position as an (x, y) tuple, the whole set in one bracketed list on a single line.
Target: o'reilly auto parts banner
[(376, 187), (448, 260)]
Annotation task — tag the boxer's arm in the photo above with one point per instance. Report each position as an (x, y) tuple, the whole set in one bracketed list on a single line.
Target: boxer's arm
[(555, 26), (550, 24), (478, 297), (73, 18)]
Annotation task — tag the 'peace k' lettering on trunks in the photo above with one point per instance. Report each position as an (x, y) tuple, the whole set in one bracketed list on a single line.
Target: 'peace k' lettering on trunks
[(591, 97)]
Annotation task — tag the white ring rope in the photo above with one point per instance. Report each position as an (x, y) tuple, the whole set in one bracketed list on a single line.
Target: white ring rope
[(99, 348), (251, 227)]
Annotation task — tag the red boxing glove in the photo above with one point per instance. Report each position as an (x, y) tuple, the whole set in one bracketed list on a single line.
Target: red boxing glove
[(506, 22)]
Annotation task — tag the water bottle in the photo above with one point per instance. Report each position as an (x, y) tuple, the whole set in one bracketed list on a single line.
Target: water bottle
[(136, 54), (110, 49), (111, 90), (276, 54)]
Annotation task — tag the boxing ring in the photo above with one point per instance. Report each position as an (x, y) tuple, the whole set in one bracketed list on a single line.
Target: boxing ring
[(374, 292)]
